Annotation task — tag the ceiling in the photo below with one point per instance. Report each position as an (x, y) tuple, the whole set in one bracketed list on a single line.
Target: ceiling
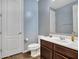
[(60, 3)]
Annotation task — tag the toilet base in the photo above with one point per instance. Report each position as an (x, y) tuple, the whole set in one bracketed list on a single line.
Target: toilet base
[(35, 53)]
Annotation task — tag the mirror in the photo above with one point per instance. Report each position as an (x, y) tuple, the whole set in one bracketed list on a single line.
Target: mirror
[(64, 19)]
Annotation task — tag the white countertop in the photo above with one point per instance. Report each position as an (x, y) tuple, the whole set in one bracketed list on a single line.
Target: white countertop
[(72, 45)]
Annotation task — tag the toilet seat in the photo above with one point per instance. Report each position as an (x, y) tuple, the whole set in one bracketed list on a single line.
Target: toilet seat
[(33, 46)]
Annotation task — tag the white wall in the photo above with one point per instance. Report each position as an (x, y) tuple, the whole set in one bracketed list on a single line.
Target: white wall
[(75, 18), (30, 21)]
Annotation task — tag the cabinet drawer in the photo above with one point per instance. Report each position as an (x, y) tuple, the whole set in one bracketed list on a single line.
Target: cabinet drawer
[(72, 54), (47, 44), (59, 56)]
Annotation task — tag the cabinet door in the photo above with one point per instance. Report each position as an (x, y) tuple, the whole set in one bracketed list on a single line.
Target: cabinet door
[(12, 43), (59, 56), (72, 54), (46, 53), (0, 27)]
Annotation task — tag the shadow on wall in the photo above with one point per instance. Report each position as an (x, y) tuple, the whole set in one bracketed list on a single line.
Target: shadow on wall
[(30, 21)]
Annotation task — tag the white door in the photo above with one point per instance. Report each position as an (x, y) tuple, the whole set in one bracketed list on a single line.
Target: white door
[(0, 28), (12, 27)]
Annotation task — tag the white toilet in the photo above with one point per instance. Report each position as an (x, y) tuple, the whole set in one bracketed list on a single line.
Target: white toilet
[(34, 48)]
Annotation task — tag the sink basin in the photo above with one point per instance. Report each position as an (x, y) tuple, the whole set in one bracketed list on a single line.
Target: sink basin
[(66, 41)]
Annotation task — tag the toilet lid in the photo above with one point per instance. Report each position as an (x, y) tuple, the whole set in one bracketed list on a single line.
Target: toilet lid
[(34, 45)]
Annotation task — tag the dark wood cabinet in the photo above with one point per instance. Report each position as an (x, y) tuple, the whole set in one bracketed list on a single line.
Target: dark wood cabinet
[(46, 53), (70, 53), (47, 44), (59, 56), (46, 50), (54, 51)]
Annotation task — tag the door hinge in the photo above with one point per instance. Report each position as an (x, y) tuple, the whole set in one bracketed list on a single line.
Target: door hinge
[(0, 32), (1, 50), (0, 15)]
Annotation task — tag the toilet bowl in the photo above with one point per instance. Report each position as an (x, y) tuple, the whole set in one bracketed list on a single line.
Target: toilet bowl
[(34, 48)]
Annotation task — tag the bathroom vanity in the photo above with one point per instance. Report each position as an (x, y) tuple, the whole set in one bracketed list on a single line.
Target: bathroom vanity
[(52, 50)]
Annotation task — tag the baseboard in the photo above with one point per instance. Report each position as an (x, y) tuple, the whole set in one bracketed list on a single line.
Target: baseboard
[(25, 51)]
